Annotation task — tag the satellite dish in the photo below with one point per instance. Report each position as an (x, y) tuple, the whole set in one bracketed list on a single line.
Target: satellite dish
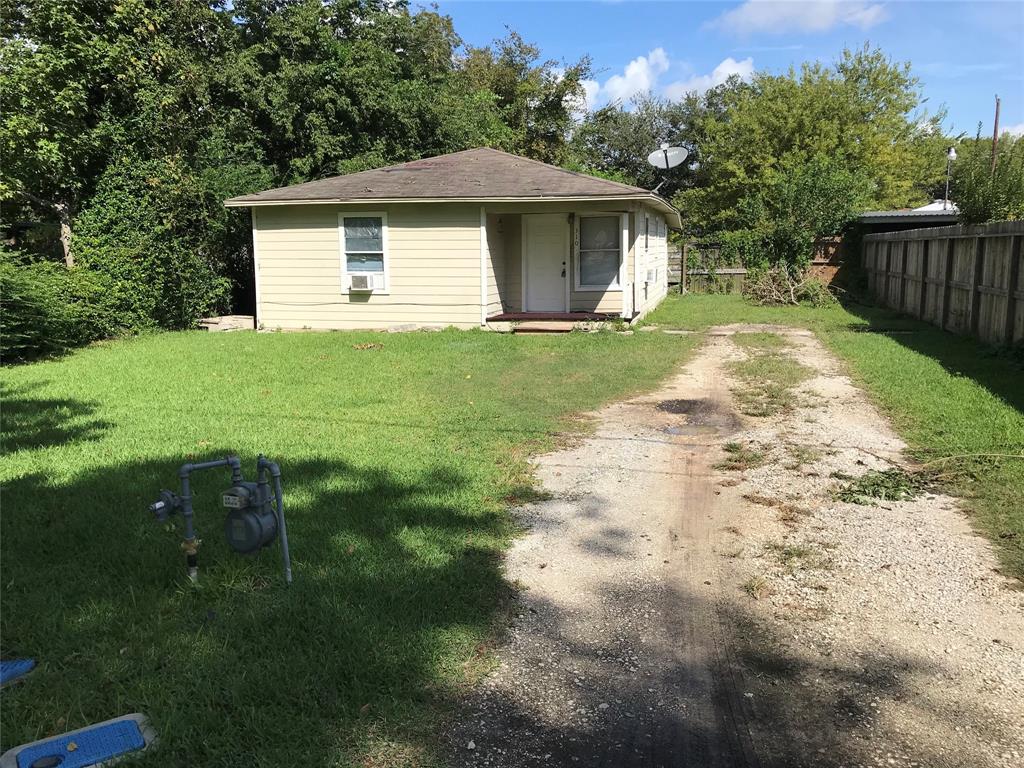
[(667, 157)]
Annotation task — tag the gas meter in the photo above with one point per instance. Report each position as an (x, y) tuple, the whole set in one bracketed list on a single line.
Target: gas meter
[(255, 511)]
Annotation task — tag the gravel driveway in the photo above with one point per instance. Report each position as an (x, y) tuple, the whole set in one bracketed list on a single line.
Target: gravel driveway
[(672, 613)]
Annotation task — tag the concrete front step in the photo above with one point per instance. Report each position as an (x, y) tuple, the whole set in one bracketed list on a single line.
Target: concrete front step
[(545, 326), (228, 323)]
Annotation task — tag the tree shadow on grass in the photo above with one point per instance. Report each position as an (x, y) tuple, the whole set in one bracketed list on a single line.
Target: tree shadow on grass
[(998, 371), (30, 422), (397, 580)]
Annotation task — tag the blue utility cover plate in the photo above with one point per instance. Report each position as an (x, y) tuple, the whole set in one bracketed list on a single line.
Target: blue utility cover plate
[(12, 669), (89, 746)]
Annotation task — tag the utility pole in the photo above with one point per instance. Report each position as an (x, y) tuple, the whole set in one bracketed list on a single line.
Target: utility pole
[(995, 136)]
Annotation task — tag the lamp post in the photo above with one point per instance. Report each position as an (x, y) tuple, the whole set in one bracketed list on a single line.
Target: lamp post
[(950, 157)]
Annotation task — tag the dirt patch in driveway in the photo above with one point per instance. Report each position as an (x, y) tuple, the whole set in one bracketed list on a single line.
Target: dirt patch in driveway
[(672, 613)]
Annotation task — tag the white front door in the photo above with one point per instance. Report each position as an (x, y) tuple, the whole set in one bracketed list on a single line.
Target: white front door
[(545, 262)]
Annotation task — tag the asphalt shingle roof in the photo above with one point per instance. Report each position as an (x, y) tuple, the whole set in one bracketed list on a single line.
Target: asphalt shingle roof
[(474, 174)]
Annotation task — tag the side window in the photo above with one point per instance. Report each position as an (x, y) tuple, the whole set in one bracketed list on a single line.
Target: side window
[(364, 243)]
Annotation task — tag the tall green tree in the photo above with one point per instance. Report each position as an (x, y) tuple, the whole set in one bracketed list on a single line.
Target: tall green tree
[(537, 98), (618, 139), (327, 87), (81, 77), (865, 109)]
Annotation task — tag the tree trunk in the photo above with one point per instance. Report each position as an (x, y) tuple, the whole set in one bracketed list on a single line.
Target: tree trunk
[(64, 215)]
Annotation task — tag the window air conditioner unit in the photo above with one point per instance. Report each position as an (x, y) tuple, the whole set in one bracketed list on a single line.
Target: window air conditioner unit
[(362, 282)]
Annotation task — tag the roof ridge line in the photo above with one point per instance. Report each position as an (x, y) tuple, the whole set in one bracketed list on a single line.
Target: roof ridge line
[(564, 170)]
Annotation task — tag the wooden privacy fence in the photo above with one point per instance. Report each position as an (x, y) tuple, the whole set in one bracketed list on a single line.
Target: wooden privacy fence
[(825, 263), (964, 279)]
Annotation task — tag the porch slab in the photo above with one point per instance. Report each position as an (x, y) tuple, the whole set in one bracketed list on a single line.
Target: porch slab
[(545, 316)]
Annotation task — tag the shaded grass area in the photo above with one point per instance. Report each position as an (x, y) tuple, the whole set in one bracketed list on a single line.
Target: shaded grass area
[(400, 455), (957, 403), (769, 377)]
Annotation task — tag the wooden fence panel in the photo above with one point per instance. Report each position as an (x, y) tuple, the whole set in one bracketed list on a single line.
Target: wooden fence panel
[(968, 280)]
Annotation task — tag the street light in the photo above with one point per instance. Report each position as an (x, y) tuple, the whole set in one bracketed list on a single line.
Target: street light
[(950, 157)]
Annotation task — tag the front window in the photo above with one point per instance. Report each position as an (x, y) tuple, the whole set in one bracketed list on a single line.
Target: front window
[(600, 251)]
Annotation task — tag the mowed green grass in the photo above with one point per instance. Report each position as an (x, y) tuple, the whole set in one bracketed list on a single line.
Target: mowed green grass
[(946, 395), (399, 466)]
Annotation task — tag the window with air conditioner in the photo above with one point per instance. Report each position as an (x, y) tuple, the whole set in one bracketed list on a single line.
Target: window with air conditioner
[(364, 251)]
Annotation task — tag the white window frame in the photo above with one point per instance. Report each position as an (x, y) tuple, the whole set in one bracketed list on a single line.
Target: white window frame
[(383, 216), (620, 278)]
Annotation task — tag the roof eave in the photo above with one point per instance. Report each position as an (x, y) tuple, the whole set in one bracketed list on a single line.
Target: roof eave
[(883, 217), (657, 200)]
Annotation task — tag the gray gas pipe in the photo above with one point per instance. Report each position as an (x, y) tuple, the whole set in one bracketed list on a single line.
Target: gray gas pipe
[(255, 512)]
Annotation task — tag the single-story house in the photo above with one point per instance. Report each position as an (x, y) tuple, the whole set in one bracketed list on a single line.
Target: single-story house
[(460, 239)]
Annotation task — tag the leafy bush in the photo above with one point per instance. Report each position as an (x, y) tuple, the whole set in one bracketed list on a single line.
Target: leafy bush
[(981, 194), (46, 308), (808, 199), (144, 229)]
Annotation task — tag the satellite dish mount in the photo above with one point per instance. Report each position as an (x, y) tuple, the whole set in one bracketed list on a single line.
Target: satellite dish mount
[(666, 157)]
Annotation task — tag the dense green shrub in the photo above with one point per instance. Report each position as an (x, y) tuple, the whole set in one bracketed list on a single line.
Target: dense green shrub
[(142, 230), (46, 308)]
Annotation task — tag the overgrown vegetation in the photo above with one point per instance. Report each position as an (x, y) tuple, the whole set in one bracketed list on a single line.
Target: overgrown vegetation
[(983, 193), (399, 461), (958, 404), (893, 484)]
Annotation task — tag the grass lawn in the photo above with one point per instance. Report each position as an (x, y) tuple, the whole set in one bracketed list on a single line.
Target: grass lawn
[(946, 395), (399, 464)]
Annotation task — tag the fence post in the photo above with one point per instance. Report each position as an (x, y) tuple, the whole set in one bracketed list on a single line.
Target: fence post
[(682, 267), (1012, 285), (903, 277), (979, 256), (922, 301), (886, 272), (947, 274)]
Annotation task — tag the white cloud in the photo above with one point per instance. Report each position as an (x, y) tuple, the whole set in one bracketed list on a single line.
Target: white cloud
[(701, 83), (639, 76), (804, 16), (642, 75), (1016, 130)]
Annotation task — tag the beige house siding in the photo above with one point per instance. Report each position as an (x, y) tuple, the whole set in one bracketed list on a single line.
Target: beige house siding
[(512, 229), (433, 258), (651, 255), (497, 268), (433, 264)]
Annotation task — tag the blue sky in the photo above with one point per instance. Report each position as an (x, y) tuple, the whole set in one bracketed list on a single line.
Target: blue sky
[(964, 52)]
